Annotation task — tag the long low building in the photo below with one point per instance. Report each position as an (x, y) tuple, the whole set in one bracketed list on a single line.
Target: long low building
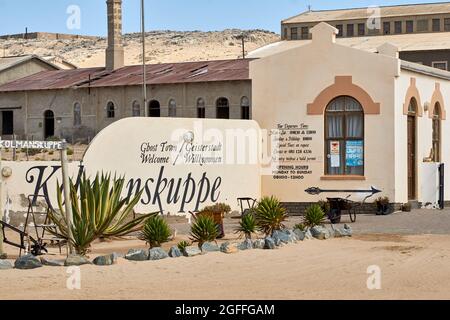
[(77, 104)]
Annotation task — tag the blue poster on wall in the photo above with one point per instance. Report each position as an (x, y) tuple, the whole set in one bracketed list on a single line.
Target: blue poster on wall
[(354, 153)]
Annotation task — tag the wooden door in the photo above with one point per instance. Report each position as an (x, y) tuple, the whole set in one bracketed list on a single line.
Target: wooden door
[(412, 158)]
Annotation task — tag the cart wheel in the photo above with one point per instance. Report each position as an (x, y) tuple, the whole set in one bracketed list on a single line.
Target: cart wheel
[(352, 213)]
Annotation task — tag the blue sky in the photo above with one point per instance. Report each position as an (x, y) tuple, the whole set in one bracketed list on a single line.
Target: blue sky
[(205, 15)]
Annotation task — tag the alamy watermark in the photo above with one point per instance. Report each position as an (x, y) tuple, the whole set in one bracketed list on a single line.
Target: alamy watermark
[(374, 279), (73, 21)]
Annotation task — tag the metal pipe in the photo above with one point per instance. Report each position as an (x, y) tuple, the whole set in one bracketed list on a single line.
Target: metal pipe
[(144, 76)]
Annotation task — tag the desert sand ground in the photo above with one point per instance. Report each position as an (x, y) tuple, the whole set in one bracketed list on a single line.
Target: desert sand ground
[(412, 267)]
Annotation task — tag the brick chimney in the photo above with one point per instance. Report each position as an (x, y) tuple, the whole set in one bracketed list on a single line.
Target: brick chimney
[(114, 52)]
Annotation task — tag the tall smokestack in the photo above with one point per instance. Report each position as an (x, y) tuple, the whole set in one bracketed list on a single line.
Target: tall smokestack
[(114, 52)]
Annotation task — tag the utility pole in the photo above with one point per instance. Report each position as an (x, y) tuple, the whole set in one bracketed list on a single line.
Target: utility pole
[(2, 253), (144, 75), (67, 196), (243, 45)]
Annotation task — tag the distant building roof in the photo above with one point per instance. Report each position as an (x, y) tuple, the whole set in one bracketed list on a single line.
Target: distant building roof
[(12, 61), (364, 13), (405, 42), (167, 73)]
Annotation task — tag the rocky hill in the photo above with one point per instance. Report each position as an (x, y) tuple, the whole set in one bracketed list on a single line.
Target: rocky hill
[(162, 46)]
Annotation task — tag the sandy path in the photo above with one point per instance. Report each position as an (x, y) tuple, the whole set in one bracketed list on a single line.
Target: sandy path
[(413, 267)]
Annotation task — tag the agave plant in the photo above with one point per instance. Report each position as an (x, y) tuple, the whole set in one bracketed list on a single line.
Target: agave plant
[(155, 232), (204, 229), (247, 225), (314, 216), (98, 210), (182, 245), (270, 215)]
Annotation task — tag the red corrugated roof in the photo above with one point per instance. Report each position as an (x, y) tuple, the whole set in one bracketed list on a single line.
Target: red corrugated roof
[(167, 73)]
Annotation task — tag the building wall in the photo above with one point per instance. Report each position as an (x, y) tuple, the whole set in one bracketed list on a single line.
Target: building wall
[(32, 105), (283, 86), (426, 87), (427, 57), (375, 32), (22, 70)]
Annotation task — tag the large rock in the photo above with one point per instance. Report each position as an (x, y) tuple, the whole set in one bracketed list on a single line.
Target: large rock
[(229, 248), (27, 262), (52, 262), (174, 252), (284, 236), (137, 255), (259, 244), (269, 243), (157, 254), (308, 234), (346, 231), (107, 260), (76, 260), (246, 245), (320, 233), (192, 251), (5, 265), (210, 247), (300, 235)]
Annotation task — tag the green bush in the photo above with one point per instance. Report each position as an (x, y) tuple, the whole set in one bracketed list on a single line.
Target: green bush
[(204, 229), (314, 216), (155, 232), (270, 215), (300, 226), (70, 151), (182, 245), (247, 225), (217, 208), (99, 211)]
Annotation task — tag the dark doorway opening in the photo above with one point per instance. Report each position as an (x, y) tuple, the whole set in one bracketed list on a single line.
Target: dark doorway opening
[(154, 109), (223, 108), (7, 123), (49, 124)]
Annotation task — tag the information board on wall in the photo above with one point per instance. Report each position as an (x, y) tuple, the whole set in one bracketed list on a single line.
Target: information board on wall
[(292, 151)]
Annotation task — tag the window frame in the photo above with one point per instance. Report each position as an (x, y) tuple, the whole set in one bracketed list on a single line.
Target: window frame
[(433, 63), (245, 108), (172, 108), (398, 24), (350, 30), (409, 23), (436, 126), (361, 29), (434, 25), (201, 108), (388, 29), (340, 28), (304, 33), (223, 107), (446, 24), (292, 33), (421, 27), (111, 114), (134, 106), (75, 123), (343, 141)]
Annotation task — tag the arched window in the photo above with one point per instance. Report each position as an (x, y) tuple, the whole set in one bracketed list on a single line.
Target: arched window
[(344, 137), (245, 108), (436, 139), (136, 109), (110, 110), (154, 109), (77, 114), (201, 108), (412, 107), (172, 108), (222, 108)]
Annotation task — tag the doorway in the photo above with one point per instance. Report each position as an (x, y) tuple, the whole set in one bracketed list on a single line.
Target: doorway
[(49, 124), (7, 123), (154, 109), (412, 173)]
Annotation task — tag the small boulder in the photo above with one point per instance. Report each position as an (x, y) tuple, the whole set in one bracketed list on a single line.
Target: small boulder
[(300, 235), (174, 252), (229, 248), (52, 262), (27, 262), (346, 231), (308, 234), (246, 245), (5, 265), (192, 251), (259, 244), (157, 254), (210, 247), (107, 260), (137, 255), (269, 243), (320, 233), (76, 260)]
